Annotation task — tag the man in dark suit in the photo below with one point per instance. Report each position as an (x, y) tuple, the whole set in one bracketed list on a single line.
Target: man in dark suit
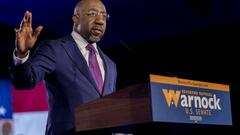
[(74, 69)]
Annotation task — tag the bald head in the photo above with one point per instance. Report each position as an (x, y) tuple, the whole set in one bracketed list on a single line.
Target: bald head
[(83, 3), (89, 19)]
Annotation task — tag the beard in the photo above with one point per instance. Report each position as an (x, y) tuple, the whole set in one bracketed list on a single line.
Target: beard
[(93, 38), (90, 37)]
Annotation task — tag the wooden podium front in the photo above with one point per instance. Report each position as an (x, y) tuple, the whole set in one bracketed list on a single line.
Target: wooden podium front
[(128, 106)]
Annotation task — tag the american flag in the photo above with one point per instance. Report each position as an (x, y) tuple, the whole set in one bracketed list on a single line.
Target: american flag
[(6, 122), (25, 110)]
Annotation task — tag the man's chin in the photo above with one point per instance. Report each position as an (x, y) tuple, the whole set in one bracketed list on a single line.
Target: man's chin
[(94, 39)]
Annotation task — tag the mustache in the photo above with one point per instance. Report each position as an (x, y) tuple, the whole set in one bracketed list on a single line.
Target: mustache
[(99, 28)]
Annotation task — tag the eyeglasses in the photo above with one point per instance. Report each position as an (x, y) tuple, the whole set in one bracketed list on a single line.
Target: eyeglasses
[(95, 14)]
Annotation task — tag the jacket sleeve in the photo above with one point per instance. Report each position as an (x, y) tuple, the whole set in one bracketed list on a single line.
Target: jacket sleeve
[(41, 63)]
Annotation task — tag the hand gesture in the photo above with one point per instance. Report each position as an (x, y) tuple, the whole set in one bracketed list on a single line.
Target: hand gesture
[(25, 37)]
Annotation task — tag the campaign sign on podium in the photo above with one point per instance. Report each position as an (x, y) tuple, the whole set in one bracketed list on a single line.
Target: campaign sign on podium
[(190, 101), (162, 99)]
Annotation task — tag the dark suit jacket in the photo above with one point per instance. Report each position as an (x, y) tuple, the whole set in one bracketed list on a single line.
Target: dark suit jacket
[(67, 79)]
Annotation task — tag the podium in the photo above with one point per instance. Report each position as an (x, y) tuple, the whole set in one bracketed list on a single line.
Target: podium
[(163, 99), (128, 106)]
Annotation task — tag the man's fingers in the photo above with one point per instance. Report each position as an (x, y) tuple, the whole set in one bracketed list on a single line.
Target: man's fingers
[(26, 19), (37, 31), (21, 24), (17, 32), (29, 19)]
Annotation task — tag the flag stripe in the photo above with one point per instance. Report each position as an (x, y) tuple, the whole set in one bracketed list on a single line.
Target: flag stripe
[(30, 100), (30, 123)]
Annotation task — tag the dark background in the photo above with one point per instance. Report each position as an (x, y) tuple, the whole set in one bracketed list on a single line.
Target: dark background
[(192, 39)]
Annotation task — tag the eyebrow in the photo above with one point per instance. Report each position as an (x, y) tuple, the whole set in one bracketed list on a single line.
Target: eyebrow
[(94, 9)]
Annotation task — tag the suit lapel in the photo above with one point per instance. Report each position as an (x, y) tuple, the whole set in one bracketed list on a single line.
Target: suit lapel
[(74, 53)]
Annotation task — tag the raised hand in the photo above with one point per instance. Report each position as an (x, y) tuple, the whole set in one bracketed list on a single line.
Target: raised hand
[(25, 37)]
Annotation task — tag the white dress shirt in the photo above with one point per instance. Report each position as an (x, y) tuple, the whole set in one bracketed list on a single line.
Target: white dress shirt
[(81, 43)]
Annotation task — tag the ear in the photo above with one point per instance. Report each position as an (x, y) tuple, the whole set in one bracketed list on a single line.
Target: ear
[(76, 18)]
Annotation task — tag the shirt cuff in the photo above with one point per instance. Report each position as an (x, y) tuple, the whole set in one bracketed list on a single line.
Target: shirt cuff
[(17, 60)]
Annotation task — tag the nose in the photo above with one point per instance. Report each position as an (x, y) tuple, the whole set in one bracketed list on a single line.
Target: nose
[(100, 20)]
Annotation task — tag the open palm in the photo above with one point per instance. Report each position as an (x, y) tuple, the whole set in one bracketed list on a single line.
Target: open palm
[(25, 37)]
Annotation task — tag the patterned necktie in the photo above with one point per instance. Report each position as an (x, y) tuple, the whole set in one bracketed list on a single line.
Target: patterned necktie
[(94, 67)]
